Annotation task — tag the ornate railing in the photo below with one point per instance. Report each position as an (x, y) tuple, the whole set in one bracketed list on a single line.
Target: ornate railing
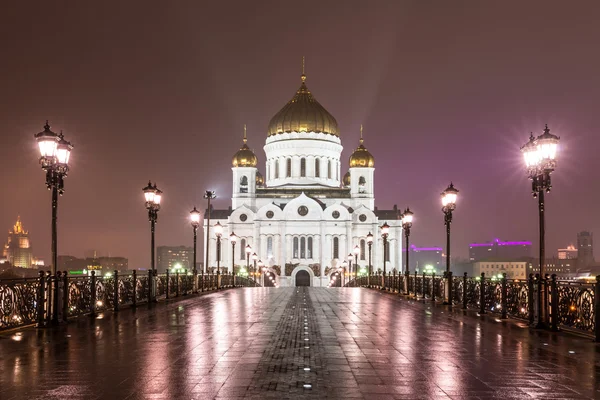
[(568, 305), (48, 299)]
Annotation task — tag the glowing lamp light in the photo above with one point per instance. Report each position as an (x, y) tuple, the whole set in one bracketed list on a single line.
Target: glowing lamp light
[(385, 229), (157, 195), (232, 238), (248, 249), (370, 238), (149, 193), (195, 217), (47, 142), (356, 250), (254, 257), (407, 217), (350, 257), (63, 151), (218, 229), (449, 196)]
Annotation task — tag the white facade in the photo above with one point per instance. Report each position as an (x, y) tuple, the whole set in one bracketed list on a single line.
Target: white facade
[(302, 215), (512, 269)]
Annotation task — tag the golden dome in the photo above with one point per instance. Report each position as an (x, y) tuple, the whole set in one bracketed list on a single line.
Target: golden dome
[(303, 113), (346, 180), (259, 179), (361, 156), (244, 156)]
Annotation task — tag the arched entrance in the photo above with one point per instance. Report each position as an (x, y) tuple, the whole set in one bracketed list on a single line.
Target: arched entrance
[(302, 278)]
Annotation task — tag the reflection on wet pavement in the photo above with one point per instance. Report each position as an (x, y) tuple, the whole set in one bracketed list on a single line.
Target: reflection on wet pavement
[(295, 343)]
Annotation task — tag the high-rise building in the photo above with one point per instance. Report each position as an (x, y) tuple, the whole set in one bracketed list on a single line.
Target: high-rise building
[(498, 249), (585, 249), (570, 253), (422, 256), (168, 256), (17, 249)]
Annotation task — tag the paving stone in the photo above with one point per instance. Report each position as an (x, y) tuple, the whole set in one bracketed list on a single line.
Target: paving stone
[(250, 343)]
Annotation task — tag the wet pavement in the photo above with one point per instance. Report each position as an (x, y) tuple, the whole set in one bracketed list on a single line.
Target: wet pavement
[(295, 343)]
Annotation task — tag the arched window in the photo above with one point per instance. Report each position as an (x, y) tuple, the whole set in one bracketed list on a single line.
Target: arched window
[(361, 184), (244, 184), (243, 249), (289, 168), (295, 247), (276, 169), (362, 249), (302, 247), (336, 247), (329, 169), (303, 167), (317, 167), (309, 247), (269, 247)]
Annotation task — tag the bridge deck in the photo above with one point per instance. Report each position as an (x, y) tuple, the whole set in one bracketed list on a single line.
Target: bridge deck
[(295, 343)]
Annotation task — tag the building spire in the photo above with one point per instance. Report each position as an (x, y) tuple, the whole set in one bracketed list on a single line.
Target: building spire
[(361, 134), (303, 76), (245, 139)]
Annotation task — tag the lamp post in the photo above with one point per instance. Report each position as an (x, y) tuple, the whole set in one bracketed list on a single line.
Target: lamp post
[(540, 161), (233, 240), (407, 218), (248, 252), (208, 195), (350, 257), (261, 272), (385, 231), (218, 233), (356, 253), (195, 221), (343, 273), (370, 243), (449, 197), (153, 197), (254, 260), (55, 152)]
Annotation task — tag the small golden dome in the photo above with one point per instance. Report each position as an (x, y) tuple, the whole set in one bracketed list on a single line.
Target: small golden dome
[(361, 156), (244, 156), (303, 113), (346, 180), (259, 179)]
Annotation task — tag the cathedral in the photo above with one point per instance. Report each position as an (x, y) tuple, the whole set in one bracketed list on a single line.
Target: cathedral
[(302, 216)]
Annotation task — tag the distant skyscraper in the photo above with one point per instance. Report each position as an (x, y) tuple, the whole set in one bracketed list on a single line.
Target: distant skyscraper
[(498, 249), (17, 249), (168, 256), (585, 249), (570, 253)]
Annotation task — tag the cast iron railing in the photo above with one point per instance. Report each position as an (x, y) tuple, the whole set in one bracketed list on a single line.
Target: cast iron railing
[(570, 305), (49, 299)]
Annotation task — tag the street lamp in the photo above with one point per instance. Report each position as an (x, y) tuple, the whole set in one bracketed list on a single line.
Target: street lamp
[(261, 270), (55, 152), (218, 233), (350, 257), (385, 231), (208, 195), (343, 272), (233, 239), (370, 243), (248, 252), (449, 197), (356, 253), (407, 218), (195, 221), (540, 161), (254, 259), (153, 197)]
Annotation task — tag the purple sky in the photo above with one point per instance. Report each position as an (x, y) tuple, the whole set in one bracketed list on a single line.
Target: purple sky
[(445, 90)]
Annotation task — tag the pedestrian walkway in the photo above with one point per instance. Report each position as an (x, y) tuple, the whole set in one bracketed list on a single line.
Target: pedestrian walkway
[(296, 343)]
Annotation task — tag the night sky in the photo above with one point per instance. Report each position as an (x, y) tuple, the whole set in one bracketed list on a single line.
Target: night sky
[(161, 90)]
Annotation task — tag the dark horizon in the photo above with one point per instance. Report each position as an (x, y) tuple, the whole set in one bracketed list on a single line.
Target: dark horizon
[(446, 92)]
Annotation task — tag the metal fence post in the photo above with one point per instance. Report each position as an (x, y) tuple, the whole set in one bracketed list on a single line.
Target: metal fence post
[(450, 287), (41, 300), (554, 304), (177, 283), (65, 294), (530, 299), (93, 294), (597, 308), (423, 284), (116, 292), (504, 300), (433, 287), (150, 285), (167, 285), (482, 295), (184, 282), (464, 291), (134, 288)]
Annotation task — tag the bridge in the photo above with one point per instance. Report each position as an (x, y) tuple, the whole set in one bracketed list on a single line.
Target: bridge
[(384, 337)]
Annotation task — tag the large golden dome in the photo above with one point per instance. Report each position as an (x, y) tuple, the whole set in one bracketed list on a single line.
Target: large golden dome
[(244, 156), (303, 113), (361, 156)]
